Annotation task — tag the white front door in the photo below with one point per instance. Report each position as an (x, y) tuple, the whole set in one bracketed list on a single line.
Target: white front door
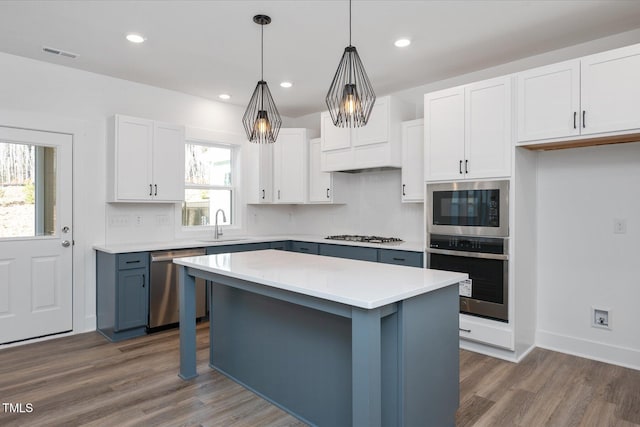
[(36, 237)]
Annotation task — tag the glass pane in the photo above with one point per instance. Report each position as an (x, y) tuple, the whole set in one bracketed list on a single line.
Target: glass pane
[(27, 190), (207, 165), (200, 207)]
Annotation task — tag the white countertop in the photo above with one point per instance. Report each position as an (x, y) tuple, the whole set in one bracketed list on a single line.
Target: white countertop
[(118, 248), (357, 283)]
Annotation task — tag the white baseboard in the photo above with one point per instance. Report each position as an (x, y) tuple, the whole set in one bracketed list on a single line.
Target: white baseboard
[(488, 350), (90, 323), (616, 355)]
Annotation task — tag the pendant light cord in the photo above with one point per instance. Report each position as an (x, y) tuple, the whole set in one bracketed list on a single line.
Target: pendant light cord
[(349, 22), (261, 51)]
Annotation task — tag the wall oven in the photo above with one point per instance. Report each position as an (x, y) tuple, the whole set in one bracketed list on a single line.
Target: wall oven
[(467, 231), (486, 261), (479, 208)]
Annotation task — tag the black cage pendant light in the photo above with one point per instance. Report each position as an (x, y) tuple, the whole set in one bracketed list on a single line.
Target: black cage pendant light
[(350, 98), (261, 120)]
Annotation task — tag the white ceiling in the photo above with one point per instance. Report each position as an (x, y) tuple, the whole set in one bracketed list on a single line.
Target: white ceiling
[(205, 48)]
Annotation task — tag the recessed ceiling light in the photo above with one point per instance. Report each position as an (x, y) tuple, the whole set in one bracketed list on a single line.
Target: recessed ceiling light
[(286, 84), (224, 96), (402, 42), (135, 38)]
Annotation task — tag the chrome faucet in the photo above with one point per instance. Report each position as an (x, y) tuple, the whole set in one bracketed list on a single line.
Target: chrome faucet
[(217, 232)]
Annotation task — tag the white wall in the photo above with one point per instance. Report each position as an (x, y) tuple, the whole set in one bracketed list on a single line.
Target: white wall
[(56, 98), (581, 262)]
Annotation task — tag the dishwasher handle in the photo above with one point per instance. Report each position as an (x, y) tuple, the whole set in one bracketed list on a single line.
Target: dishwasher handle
[(170, 255)]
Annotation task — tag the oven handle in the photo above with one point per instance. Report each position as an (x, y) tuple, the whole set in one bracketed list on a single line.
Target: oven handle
[(501, 257)]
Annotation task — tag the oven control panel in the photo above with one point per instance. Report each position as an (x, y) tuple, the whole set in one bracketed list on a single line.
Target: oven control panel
[(489, 245)]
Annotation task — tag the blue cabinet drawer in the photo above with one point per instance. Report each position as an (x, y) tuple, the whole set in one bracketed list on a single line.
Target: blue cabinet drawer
[(390, 256), (283, 245), (133, 260), (351, 252), (211, 250), (304, 247)]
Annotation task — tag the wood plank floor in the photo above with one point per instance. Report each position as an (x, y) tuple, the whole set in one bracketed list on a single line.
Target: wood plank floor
[(85, 380)]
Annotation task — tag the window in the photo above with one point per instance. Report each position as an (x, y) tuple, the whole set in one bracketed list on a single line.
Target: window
[(27, 190), (208, 184)]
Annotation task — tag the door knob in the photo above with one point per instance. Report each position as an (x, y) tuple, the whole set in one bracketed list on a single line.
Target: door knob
[(66, 243)]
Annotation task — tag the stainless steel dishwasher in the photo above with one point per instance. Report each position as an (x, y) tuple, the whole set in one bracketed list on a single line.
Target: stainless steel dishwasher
[(163, 291)]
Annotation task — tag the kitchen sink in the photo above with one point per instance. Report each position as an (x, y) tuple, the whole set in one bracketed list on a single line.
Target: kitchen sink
[(227, 239)]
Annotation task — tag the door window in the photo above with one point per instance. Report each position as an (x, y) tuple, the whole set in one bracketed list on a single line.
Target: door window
[(27, 190)]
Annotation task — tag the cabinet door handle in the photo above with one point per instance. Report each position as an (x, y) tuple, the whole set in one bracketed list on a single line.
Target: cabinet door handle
[(398, 259), (465, 330), (143, 280), (327, 193), (263, 194), (302, 248), (150, 190), (278, 194), (466, 166), (575, 113), (460, 167), (132, 262), (156, 192), (403, 187), (584, 119)]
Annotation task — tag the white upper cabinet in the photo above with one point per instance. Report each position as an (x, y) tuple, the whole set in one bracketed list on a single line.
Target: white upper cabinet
[(593, 96), (375, 145), (333, 137), (324, 187), (413, 161), (279, 172), (467, 131), (258, 174), (549, 101), (444, 134), (291, 166), (377, 128), (610, 94), (145, 161)]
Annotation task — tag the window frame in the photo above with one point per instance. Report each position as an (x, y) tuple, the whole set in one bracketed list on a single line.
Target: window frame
[(213, 139)]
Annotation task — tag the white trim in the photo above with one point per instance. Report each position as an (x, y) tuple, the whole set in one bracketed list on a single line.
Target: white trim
[(213, 136), (608, 353), (85, 234)]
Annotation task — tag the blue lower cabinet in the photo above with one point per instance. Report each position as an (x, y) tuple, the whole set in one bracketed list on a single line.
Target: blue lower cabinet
[(304, 247), (122, 288), (351, 252), (408, 258), (212, 250), (283, 245)]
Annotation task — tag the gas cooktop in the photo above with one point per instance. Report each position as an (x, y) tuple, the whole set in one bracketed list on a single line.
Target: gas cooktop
[(367, 239)]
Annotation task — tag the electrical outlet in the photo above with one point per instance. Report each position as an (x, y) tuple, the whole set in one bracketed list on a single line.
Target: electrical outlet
[(620, 226), (119, 220), (162, 219), (138, 220), (601, 318)]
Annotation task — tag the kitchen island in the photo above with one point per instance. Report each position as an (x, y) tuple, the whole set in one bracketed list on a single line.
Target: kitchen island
[(332, 341)]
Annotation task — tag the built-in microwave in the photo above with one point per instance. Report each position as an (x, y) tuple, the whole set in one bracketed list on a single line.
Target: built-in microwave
[(477, 208)]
